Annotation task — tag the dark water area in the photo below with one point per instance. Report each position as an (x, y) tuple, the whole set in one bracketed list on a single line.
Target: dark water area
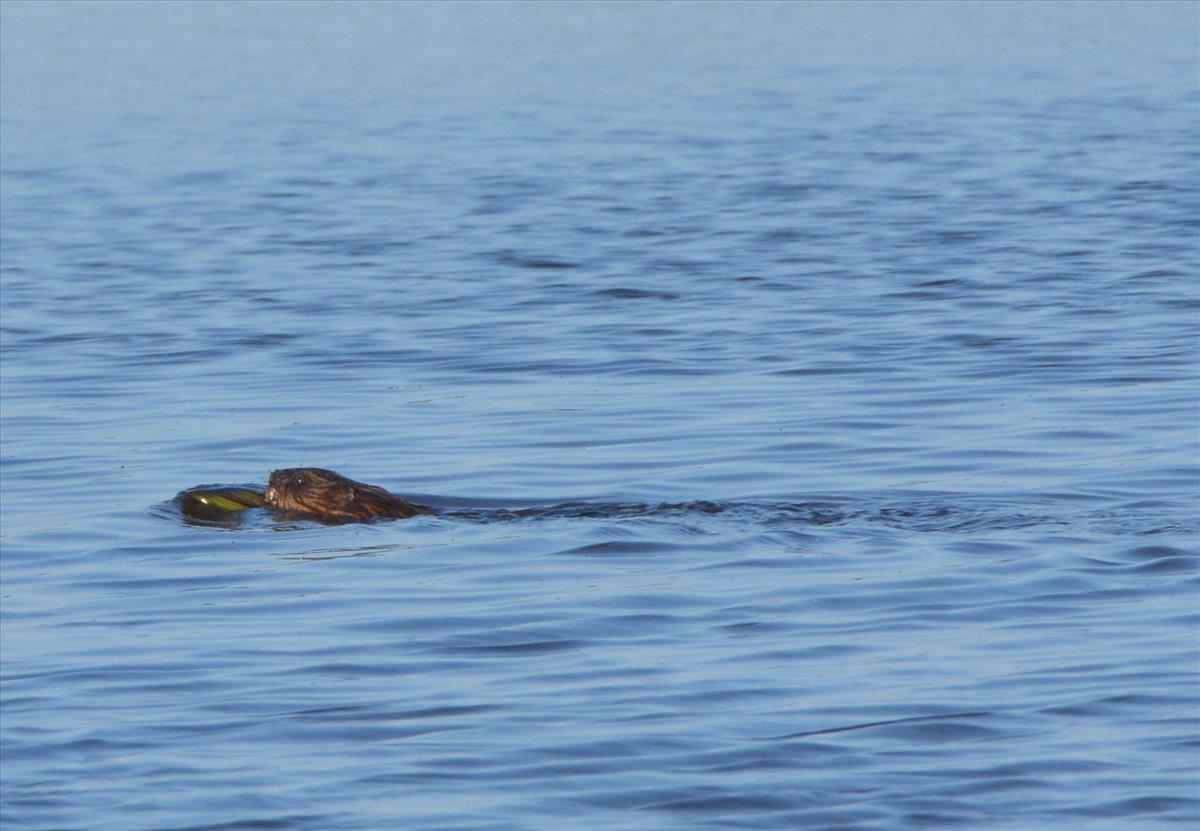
[(909, 291)]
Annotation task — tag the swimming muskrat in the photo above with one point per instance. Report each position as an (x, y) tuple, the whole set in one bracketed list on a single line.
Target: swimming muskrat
[(315, 494), (322, 495)]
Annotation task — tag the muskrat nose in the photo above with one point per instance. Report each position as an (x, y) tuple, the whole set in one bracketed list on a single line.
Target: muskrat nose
[(270, 494)]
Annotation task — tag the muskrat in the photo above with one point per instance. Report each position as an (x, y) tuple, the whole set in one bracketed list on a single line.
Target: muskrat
[(322, 495)]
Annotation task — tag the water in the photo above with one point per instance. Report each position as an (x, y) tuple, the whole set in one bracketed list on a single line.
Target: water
[(910, 290)]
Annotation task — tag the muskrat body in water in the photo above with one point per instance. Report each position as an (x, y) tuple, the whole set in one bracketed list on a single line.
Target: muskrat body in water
[(318, 495), (322, 495)]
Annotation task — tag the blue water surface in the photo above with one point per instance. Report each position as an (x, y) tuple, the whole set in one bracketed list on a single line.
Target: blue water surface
[(908, 289)]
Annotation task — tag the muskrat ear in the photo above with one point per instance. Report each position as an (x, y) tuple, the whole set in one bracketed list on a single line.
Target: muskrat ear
[(343, 494)]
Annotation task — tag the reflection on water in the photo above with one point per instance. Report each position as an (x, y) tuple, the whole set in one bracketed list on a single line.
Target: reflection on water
[(808, 395)]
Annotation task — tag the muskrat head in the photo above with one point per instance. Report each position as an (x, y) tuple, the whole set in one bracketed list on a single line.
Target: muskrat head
[(330, 497), (307, 489)]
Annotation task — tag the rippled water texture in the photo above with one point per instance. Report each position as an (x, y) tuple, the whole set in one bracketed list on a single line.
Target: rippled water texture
[(908, 290)]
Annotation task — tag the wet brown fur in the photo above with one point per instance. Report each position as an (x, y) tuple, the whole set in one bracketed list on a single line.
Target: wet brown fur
[(325, 496)]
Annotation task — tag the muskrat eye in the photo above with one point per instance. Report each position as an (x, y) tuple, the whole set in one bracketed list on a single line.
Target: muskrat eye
[(298, 481)]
